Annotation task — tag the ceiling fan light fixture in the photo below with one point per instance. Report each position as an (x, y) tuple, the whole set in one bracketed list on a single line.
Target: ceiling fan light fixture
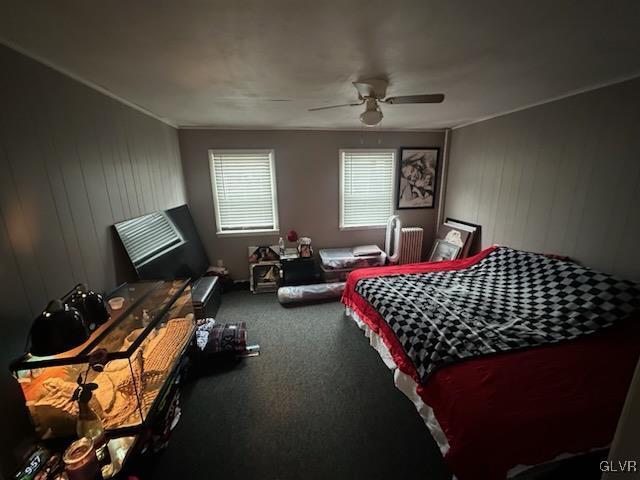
[(370, 92), (371, 117)]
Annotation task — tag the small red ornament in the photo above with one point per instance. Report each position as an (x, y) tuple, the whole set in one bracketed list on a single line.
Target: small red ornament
[(292, 235)]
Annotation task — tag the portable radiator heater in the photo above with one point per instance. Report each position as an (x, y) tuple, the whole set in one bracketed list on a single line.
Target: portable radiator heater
[(411, 245)]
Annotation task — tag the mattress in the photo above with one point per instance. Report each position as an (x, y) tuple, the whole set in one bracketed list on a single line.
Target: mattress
[(492, 415)]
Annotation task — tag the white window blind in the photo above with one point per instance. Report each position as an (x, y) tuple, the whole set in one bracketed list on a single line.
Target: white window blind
[(244, 190), (148, 236), (366, 187)]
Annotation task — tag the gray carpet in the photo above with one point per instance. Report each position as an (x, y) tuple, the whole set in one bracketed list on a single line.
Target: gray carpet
[(318, 403)]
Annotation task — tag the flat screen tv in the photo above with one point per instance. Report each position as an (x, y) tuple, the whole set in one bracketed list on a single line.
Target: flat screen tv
[(164, 245)]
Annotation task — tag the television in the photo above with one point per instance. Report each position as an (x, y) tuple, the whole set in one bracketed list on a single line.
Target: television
[(164, 245)]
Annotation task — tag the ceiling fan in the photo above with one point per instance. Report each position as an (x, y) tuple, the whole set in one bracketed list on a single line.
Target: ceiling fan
[(373, 92)]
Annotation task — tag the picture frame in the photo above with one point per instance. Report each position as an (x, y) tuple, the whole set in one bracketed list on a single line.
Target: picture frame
[(417, 177), (443, 251), (474, 229), (451, 234)]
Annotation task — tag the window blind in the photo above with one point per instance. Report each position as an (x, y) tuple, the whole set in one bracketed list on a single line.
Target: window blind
[(244, 190), (367, 187), (146, 237)]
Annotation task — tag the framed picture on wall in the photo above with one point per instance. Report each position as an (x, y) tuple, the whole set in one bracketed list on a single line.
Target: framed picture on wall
[(417, 177)]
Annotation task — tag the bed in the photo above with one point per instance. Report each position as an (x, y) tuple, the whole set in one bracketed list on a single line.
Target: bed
[(497, 413)]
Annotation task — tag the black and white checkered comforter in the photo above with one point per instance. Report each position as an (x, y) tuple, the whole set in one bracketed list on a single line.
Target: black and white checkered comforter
[(509, 300)]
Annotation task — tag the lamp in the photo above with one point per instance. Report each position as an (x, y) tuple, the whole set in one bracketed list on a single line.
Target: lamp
[(372, 115), (58, 329)]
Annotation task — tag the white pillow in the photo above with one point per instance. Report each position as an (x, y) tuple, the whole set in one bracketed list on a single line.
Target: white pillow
[(366, 251)]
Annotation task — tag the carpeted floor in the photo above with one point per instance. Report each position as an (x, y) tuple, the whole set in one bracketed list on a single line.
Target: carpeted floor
[(318, 403)]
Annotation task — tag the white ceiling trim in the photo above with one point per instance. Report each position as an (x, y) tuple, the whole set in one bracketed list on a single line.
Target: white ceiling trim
[(315, 129), (85, 82), (572, 93)]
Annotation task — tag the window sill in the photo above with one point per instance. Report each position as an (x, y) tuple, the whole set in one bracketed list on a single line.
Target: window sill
[(247, 233), (363, 227)]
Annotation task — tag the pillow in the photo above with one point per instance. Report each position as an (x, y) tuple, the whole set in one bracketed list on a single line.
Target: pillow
[(366, 251)]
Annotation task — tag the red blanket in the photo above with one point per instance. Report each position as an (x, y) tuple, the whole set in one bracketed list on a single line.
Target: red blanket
[(517, 408)]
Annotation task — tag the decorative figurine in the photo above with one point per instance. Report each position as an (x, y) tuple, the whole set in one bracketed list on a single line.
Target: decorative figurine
[(304, 247)]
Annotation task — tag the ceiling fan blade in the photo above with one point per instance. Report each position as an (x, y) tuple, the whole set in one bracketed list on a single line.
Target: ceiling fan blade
[(336, 106), (433, 98)]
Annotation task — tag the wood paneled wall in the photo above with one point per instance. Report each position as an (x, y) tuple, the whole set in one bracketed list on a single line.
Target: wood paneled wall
[(563, 177), (72, 162)]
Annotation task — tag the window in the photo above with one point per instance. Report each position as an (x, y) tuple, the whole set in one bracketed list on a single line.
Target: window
[(366, 187), (244, 191)]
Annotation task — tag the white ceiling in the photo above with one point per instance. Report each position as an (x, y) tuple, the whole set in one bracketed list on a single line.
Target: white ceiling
[(263, 63)]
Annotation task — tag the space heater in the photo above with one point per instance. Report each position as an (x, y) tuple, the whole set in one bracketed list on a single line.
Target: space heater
[(410, 245)]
